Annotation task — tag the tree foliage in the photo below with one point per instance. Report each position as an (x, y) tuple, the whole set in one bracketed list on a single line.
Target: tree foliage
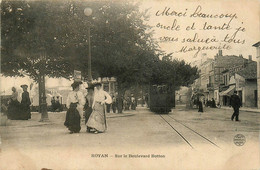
[(51, 37), (29, 44), (173, 72)]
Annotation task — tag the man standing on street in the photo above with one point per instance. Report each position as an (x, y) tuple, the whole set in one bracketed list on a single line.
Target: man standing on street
[(235, 103)]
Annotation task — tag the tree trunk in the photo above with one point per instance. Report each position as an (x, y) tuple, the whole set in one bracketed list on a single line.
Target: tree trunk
[(42, 97)]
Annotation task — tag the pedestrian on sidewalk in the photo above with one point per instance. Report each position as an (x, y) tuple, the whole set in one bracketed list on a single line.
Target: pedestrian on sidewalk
[(114, 103), (53, 104), (75, 100), (25, 104), (200, 106), (213, 103), (133, 106), (14, 112), (236, 104), (89, 103), (108, 107), (97, 119)]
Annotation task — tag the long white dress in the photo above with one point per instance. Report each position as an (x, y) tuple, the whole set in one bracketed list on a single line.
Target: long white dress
[(97, 119)]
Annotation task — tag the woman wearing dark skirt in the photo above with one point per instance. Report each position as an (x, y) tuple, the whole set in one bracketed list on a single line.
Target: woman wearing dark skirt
[(200, 106), (72, 121), (89, 103), (74, 100), (25, 104)]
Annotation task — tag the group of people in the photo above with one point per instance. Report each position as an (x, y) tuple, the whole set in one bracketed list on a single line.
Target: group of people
[(55, 104), (235, 103), (17, 110), (92, 107), (208, 103), (129, 102), (113, 105)]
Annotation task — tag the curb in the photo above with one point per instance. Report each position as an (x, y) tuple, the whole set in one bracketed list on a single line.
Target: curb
[(119, 115), (255, 111)]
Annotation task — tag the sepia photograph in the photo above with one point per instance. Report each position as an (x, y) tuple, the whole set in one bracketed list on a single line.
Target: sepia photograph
[(123, 85)]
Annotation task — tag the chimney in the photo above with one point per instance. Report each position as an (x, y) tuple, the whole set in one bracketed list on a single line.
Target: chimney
[(220, 52), (249, 57), (240, 55)]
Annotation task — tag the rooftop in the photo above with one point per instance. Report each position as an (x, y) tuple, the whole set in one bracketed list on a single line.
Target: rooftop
[(257, 44), (229, 61), (250, 71)]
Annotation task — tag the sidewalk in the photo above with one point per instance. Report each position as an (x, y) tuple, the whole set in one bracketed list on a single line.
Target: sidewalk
[(34, 121), (246, 109), (54, 118)]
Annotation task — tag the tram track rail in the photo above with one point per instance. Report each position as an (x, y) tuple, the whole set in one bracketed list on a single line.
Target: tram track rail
[(177, 132), (190, 129)]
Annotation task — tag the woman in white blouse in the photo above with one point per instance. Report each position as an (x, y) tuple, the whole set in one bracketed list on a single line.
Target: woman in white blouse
[(75, 101), (97, 119), (14, 108)]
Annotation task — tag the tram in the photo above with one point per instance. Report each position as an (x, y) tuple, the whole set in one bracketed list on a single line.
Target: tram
[(161, 99)]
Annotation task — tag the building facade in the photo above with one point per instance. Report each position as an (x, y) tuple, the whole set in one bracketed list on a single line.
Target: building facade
[(226, 73), (257, 45)]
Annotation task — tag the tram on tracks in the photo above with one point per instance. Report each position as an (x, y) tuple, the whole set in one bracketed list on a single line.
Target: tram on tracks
[(161, 99)]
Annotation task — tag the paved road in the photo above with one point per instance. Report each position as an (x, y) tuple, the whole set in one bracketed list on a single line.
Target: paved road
[(181, 139)]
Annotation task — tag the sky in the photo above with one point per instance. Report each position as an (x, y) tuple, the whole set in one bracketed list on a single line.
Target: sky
[(239, 17)]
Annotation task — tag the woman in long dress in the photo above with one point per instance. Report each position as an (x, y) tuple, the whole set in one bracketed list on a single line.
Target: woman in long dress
[(14, 106), (25, 104), (75, 99), (89, 103), (200, 106), (97, 119)]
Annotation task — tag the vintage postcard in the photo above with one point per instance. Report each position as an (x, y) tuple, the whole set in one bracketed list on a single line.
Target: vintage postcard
[(149, 84)]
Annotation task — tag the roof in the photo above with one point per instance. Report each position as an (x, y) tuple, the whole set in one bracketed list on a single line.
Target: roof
[(250, 71), (229, 61), (257, 44)]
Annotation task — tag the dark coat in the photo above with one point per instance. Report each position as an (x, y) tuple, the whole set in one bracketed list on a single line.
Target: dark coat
[(25, 106), (200, 106), (235, 101), (25, 99)]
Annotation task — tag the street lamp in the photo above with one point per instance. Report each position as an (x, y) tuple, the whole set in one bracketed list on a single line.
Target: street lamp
[(88, 12)]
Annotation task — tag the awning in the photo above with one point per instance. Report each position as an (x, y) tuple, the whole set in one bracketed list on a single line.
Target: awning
[(228, 92)]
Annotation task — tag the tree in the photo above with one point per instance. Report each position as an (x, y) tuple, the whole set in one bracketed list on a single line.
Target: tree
[(122, 45), (128, 49), (29, 43), (174, 73), (50, 38), (44, 38)]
